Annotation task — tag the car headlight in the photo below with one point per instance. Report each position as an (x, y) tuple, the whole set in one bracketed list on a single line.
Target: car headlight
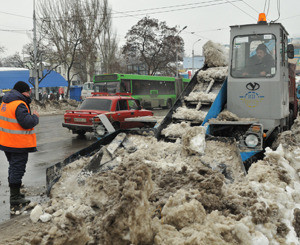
[(251, 140), (100, 130)]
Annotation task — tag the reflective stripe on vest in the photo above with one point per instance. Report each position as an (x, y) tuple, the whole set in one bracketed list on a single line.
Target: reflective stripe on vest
[(11, 132)]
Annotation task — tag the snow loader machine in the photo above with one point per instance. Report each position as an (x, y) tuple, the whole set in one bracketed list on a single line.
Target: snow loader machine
[(265, 102)]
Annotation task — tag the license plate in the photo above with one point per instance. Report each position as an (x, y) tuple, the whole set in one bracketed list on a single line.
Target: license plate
[(79, 119)]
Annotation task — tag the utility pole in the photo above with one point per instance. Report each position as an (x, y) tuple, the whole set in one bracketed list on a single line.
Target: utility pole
[(177, 51), (193, 56), (35, 72)]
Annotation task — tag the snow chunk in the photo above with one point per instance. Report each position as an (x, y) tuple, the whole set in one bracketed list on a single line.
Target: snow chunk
[(193, 140), (176, 130), (185, 113), (214, 73), (215, 54), (36, 213), (180, 212), (45, 217)]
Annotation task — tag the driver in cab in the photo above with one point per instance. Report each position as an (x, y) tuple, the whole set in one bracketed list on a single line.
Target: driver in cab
[(261, 63)]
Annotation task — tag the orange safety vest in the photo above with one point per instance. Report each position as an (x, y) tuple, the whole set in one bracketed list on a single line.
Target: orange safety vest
[(11, 133)]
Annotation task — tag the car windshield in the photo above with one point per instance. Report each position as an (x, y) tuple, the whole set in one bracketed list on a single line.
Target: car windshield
[(254, 56), (96, 104)]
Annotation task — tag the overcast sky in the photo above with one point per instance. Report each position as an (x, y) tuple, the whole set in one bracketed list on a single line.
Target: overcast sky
[(205, 19)]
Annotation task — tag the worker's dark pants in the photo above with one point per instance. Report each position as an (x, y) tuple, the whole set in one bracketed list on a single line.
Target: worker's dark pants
[(17, 167)]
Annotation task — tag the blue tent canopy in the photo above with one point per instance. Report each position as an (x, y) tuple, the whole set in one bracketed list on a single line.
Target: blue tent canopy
[(8, 78)]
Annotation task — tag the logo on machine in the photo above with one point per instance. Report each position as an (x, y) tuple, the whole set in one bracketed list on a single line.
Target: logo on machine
[(252, 99), (252, 86)]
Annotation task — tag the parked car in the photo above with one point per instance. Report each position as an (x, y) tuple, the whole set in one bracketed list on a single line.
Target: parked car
[(116, 108)]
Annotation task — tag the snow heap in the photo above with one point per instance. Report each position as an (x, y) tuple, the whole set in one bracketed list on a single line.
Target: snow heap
[(54, 106), (176, 130), (184, 113), (215, 54), (200, 96), (191, 192), (213, 73), (165, 194)]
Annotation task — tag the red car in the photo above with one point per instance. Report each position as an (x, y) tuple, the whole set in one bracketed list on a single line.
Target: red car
[(115, 107)]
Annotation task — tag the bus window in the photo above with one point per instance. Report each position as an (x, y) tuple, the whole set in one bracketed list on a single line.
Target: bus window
[(125, 86), (165, 87), (132, 105), (107, 87), (139, 86)]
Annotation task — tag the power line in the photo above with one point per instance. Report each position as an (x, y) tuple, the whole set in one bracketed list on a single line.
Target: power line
[(125, 13), (216, 29), (291, 17), (167, 11), (278, 10), (172, 6), (250, 6), (240, 9), (16, 15), (16, 31), (265, 6), (268, 7)]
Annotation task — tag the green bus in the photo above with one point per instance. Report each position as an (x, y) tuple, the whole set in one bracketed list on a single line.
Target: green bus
[(150, 91)]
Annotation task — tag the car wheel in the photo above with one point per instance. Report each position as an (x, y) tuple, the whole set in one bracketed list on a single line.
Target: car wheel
[(80, 132), (291, 119), (116, 125)]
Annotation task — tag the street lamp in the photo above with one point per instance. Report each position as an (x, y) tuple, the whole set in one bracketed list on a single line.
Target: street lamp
[(193, 56), (36, 78), (177, 51)]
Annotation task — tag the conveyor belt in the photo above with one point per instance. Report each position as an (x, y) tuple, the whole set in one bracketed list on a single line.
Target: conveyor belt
[(185, 104)]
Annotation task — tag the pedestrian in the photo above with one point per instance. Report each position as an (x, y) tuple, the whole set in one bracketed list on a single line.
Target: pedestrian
[(17, 137), (261, 63), (44, 97), (51, 96), (61, 92)]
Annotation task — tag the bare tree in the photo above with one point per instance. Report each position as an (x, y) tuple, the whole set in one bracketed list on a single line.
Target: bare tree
[(108, 47), (1, 51), (154, 45), (14, 60), (71, 27)]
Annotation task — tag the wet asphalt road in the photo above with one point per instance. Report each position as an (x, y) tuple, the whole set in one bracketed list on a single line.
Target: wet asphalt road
[(54, 144)]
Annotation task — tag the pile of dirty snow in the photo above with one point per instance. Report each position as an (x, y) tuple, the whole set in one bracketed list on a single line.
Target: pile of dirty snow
[(51, 107), (193, 191), (215, 54), (163, 193), (189, 114)]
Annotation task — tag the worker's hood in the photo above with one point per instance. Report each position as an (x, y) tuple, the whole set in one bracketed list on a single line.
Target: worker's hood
[(14, 95)]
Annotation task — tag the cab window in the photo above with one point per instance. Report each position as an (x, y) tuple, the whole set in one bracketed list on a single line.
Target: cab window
[(254, 56)]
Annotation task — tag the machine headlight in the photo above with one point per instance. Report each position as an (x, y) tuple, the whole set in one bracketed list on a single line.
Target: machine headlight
[(251, 140), (100, 130)]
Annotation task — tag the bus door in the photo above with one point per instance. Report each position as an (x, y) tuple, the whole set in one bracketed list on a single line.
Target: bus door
[(154, 100)]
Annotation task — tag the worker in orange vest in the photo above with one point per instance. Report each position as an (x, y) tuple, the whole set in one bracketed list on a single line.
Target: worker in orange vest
[(17, 137)]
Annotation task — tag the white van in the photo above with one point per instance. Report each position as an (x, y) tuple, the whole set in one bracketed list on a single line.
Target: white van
[(87, 90)]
